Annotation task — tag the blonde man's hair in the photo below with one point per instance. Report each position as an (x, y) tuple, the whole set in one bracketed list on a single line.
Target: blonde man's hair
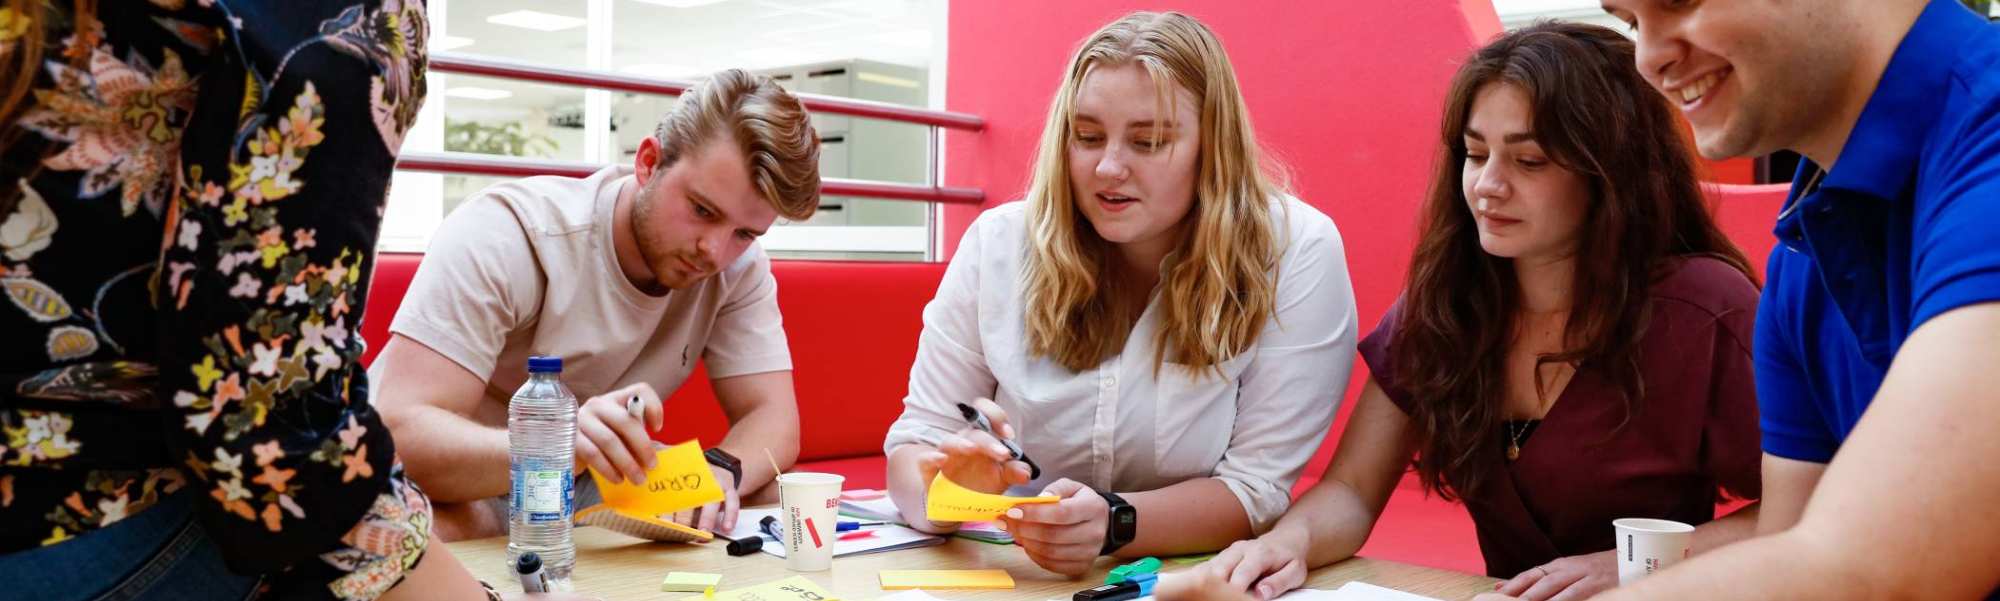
[(1218, 284), (769, 124)]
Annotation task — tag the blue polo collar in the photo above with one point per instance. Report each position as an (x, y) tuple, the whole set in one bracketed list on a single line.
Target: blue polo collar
[(1880, 156)]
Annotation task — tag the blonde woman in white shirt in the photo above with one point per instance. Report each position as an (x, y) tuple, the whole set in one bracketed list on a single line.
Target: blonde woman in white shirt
[(1158, 320)]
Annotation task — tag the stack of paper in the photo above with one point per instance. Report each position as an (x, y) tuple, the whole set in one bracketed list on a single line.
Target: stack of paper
[(985, 532), (871, 504), (873, 540), (689, 582)]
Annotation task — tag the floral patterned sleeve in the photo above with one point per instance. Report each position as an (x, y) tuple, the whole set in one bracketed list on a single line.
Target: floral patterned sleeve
[(284, 169)]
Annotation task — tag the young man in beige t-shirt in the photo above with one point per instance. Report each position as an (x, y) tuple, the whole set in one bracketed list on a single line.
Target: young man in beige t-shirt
[(630, 275)]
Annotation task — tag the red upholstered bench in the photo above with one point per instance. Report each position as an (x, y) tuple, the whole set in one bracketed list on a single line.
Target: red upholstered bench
[(853, 331)]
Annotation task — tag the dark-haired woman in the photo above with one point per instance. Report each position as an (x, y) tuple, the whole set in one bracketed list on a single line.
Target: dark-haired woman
[(1572, 345)]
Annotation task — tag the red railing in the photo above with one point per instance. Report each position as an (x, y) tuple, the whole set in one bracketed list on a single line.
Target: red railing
[(493, 67), (465, 163), (468, 163)]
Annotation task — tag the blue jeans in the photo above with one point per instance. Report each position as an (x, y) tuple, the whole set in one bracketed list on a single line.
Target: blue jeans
[(160, 554)]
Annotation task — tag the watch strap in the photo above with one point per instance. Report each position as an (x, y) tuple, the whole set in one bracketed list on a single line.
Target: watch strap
[(1122, 526), (722, 459)]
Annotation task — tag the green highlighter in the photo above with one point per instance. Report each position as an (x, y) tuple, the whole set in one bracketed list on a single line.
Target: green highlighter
[(1150, 565)]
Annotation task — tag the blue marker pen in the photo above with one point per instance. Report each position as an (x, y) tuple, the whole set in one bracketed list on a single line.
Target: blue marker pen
[(849, 526)]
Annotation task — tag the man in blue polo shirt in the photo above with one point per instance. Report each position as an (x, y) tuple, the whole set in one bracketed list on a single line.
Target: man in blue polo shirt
[(1878, 340)]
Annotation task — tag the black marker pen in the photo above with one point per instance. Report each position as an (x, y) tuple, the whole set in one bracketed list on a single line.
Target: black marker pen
[(1110, 592), (978, 420), (529, 568)]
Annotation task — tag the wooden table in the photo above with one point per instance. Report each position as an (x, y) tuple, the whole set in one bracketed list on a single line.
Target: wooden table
[(618, 568)]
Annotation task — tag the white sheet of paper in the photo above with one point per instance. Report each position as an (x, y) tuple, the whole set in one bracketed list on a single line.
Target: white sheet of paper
[(1356, 591), (915, 594), (1352, 591), (886, 538)]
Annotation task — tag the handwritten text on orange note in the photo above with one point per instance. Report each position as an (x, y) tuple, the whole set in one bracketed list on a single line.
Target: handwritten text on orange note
[(680, 479), (950, 502)]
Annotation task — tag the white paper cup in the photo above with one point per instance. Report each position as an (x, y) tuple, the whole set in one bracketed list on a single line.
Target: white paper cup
[(809, 502), (1647, 545)]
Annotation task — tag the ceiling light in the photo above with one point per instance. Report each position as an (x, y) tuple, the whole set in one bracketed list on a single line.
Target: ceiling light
[(449, 42), (536, 20), (476, 93)]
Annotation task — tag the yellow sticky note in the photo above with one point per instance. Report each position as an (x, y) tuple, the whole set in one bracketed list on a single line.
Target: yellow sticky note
[(690, 582), (796, 588), (680, 479), (950, 502), (985, 580)]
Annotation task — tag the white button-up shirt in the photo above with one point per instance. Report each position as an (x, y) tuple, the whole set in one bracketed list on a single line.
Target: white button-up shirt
[(1120, 427)]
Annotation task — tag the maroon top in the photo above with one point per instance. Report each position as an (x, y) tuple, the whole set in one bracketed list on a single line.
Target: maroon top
[(1695, 430)]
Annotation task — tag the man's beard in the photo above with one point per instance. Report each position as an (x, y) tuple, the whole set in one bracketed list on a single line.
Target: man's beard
[(650, 246)]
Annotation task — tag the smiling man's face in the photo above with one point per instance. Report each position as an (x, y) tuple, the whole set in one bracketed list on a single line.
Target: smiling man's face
[(1752, 76)]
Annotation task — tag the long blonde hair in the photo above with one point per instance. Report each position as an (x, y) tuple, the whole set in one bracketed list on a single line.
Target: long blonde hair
[(1219, 284)]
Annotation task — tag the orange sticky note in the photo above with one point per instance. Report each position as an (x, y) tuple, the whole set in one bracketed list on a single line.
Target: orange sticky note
[(680, 479), (949, 502), (981, 580)]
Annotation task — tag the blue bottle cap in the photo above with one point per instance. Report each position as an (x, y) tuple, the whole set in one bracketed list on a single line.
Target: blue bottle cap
[(544, 365)]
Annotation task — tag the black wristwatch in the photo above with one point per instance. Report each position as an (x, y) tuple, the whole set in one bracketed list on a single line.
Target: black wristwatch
[(722, 459), (1124, 524)]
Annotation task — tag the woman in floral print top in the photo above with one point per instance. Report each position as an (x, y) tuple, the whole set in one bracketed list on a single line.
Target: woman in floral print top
[(190, 192)]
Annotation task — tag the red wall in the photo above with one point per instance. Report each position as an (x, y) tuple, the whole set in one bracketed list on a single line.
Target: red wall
[(1346, 93), (1730, 171), (1747, 214)]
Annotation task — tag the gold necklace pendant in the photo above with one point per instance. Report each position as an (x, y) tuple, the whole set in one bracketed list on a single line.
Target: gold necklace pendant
[(1514, 440)]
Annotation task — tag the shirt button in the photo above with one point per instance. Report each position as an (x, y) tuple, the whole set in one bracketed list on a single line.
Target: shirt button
[(1110, 381)]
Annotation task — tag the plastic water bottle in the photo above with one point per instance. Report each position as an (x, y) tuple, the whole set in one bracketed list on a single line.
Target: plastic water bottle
[(541, 431)]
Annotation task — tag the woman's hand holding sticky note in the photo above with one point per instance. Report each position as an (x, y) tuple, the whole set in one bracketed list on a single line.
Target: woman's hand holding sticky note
[(680, 479), (949, 502)]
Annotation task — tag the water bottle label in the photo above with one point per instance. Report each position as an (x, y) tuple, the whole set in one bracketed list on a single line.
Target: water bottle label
[(542, 496)]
